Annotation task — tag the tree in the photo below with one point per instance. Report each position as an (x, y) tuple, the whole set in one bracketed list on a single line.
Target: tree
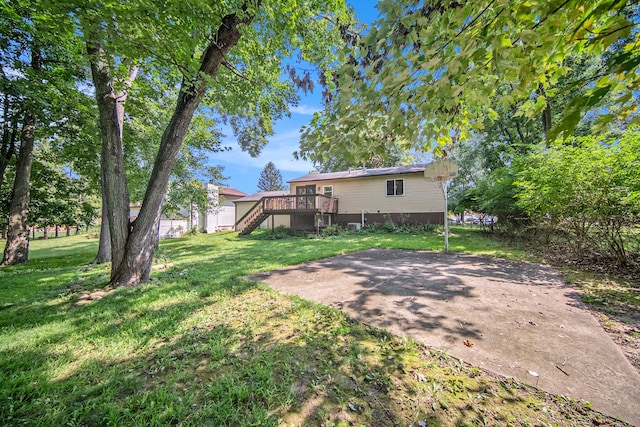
[(59, 196), (270, 178), (10, 125), (587, 190), (17, 248), (230, 56), (39, 76), (496, 196), (486, 161), (430, 74)]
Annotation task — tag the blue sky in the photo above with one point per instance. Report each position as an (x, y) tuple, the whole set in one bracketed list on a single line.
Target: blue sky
[(243, 170)]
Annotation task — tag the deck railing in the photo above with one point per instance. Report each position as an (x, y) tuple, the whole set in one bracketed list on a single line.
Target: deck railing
[(289, 204), (300, 203)]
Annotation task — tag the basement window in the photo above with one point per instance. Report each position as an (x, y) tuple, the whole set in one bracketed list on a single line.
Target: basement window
[(395, 187)]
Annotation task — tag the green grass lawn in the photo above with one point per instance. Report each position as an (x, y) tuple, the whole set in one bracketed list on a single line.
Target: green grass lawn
[(202, 345)]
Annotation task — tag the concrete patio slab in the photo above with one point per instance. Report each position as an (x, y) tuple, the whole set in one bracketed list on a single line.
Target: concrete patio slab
[(513, 318)]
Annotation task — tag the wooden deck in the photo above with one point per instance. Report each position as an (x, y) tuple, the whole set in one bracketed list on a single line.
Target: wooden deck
[(285, 205), (311, 203)]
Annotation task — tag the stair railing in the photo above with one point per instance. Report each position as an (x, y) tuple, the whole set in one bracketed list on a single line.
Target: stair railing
[(246, 219)]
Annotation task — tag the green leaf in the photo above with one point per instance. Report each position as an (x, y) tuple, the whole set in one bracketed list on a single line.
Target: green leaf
[(505, 42)]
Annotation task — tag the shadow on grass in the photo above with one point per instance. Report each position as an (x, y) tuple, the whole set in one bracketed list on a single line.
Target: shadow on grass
[(256, 358), (64, 248), (200, 345)]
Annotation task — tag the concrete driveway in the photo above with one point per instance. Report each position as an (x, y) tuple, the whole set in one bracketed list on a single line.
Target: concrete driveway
[(520, 318)]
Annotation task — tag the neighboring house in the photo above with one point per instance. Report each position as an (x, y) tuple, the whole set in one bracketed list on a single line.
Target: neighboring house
[(167, 227), (351, 198), (220, 214)]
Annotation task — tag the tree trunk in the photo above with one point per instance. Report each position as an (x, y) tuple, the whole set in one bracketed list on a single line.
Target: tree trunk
[(104, 246), (546, 114), (9, 137), (135, 266), (17, 248), (114, 181)]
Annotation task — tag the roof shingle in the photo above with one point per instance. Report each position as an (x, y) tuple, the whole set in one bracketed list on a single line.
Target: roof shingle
[(358, 173)]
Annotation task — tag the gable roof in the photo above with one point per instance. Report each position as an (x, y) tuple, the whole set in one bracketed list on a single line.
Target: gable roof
[(257, 196), (232, 192), (359, 173)]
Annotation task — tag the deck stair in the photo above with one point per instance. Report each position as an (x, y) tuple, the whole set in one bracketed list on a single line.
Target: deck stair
[(252, 219), (285, 205)]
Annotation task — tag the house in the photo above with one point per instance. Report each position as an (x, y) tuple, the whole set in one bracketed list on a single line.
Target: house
[(351, 198), (220, 214)]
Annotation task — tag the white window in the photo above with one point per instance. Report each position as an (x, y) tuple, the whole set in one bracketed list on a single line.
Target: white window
[(395, 187), (324, 220), (327, 190)]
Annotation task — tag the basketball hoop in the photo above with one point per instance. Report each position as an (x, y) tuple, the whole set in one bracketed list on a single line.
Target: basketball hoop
[(442, 171)]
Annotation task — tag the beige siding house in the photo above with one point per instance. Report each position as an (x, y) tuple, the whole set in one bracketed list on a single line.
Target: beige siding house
[(351, 198)]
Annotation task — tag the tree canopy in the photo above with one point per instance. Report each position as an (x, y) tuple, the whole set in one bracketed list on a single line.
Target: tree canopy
[(183, 69), (228, 57), (431, 73)]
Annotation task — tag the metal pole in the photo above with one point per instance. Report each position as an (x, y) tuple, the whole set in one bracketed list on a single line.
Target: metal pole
[(446, 219)]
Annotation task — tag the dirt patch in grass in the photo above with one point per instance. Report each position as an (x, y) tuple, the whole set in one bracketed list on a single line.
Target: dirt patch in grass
[(83, 297)]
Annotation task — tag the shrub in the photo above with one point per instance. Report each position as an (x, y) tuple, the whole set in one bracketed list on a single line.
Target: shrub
[(427, 228), (389, 226), (332, 230)]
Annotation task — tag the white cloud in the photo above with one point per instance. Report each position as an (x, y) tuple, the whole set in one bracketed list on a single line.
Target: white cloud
[(307, 110), (279, 150)]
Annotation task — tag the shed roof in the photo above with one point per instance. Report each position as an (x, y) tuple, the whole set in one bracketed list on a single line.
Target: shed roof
[(360, 173)]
